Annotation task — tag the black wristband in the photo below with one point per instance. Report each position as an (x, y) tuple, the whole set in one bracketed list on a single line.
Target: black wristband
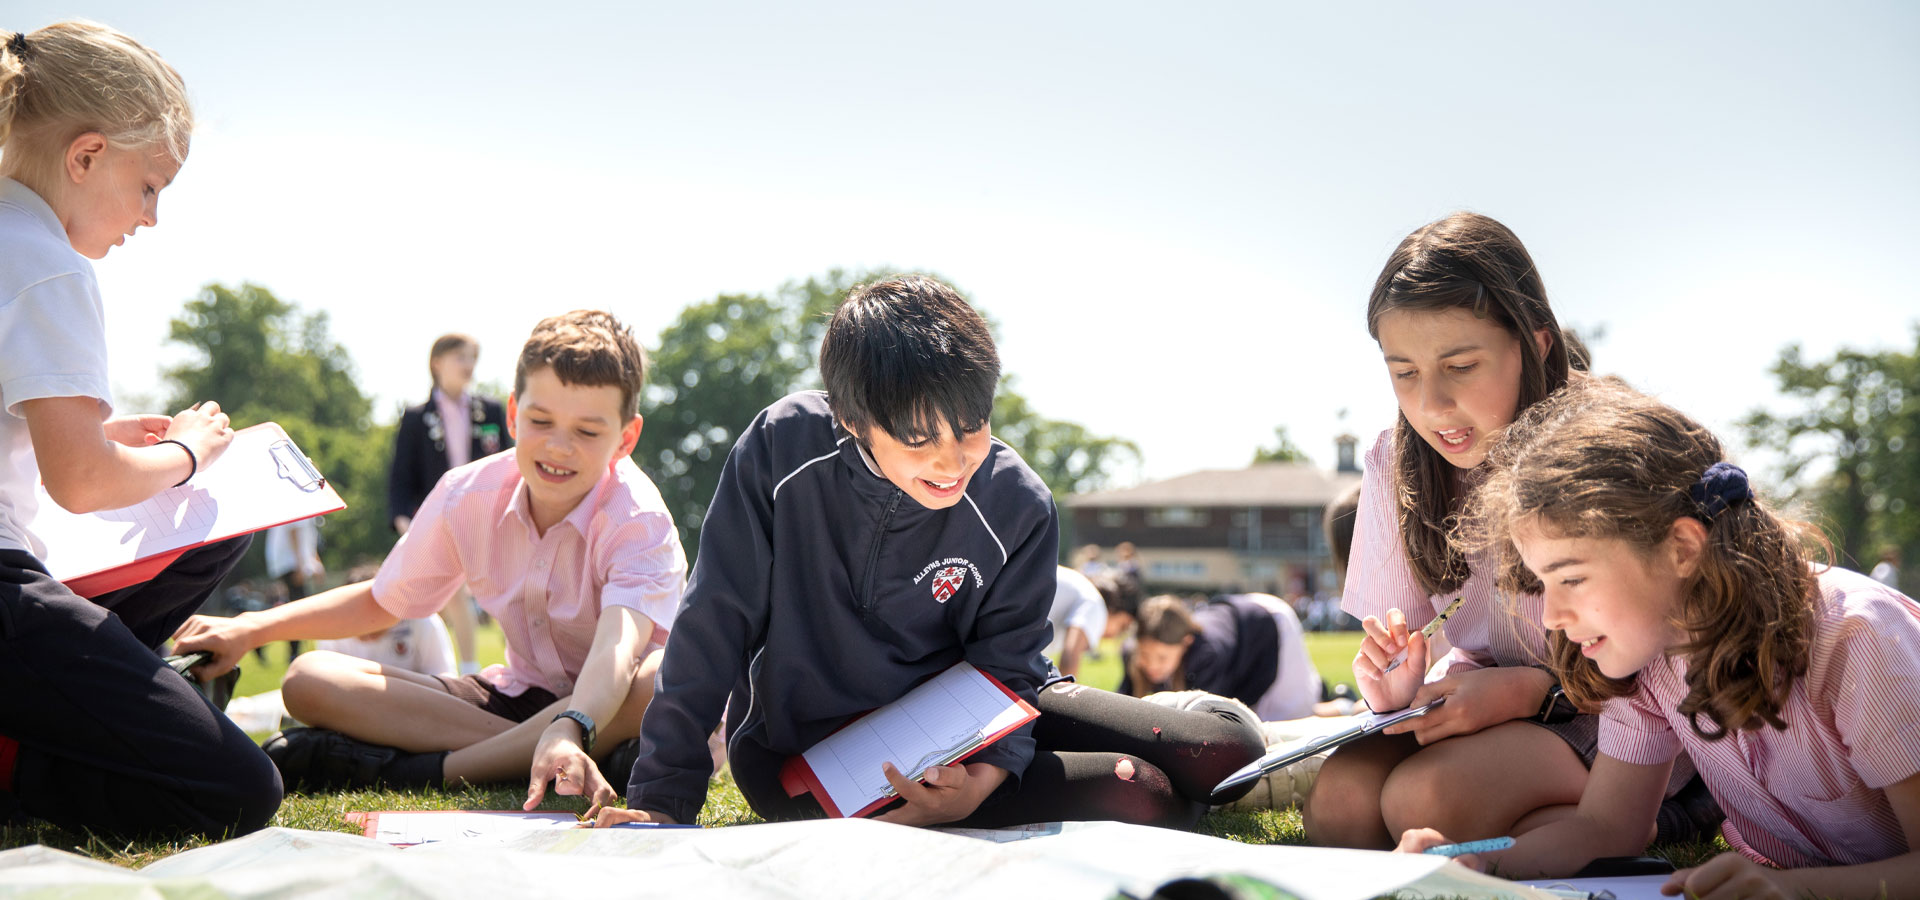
[(1556, 708), (192, 460), (587, 729)]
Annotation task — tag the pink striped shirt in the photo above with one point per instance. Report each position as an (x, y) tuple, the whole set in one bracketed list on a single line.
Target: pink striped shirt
[(1490, 629), (617, 548), (1814, 794)]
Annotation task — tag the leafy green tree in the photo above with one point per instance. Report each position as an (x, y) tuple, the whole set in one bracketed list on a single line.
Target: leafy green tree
[(1283, 449), (1068, 457), (1860, 411), (723, 360), (264, 360)]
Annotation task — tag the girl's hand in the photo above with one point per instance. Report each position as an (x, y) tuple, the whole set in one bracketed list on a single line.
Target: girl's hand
[(559, 758), (607, 818), (951, 793), (1417, 840), (1728, 876), (1476, 699), (1387, 691), (227, 639), (205, 429), (140, 430)]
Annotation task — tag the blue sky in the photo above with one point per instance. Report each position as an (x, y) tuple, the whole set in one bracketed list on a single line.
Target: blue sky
[(1174, 213)]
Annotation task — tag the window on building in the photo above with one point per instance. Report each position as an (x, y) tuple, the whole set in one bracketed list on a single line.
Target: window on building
[(1176, 517), (1176, 569), (1113, 518)]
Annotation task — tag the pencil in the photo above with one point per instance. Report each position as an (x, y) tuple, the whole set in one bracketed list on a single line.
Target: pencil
[(1432, 628)]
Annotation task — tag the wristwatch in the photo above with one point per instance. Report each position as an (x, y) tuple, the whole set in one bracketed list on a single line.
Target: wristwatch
[(1556, 708), (587, 730)]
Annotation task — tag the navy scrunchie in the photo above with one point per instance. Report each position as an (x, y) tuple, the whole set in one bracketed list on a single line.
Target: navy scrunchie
[(1723, 484), (18, 44)]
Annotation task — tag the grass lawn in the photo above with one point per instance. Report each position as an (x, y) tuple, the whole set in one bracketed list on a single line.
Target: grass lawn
[(1332, 655)]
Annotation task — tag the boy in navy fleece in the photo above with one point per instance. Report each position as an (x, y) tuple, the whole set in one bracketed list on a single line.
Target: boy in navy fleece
[(866, 538)]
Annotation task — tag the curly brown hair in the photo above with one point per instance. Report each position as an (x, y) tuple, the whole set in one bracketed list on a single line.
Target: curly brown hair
[(1472, 262), (1601, 460)]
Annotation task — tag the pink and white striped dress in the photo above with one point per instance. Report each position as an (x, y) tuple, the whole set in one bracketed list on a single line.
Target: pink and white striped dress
[(1814, 794)]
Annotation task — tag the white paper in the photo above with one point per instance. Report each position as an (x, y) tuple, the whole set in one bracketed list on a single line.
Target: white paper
[(246, 489), (406, 828), (955, 708)]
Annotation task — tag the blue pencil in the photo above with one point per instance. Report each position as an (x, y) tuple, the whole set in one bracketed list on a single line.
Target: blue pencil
[(1487, 846)]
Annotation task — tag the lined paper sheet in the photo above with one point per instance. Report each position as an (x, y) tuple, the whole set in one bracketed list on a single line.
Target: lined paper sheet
[(944, 718), (261, 480)]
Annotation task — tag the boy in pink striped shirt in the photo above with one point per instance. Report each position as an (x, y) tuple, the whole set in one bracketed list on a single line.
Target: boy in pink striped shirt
[(562, 539), (1691, 611)]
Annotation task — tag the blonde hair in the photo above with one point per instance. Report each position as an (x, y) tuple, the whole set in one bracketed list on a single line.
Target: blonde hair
[(77, 77)]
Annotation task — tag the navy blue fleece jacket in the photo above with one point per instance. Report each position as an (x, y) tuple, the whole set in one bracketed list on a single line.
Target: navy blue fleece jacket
[(1236, 654), (822, 591)]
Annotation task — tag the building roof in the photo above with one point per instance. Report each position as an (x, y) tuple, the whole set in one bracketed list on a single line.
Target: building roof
[(1261, 484)]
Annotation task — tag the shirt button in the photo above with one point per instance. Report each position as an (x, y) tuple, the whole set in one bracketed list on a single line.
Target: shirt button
[(564, 686), (538, 623), (539, 563)]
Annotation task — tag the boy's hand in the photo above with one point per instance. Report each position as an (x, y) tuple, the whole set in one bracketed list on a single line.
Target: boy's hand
[(1417, 840), (205, 429), (1387, 691), (140, 430), (608, 818), (951, 793), (227, 639), (559, 759), (1728, 876), (1476, 699)]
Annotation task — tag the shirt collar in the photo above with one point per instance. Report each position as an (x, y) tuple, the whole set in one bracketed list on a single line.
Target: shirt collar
[(444, 399), (14, 193), (520, 504)]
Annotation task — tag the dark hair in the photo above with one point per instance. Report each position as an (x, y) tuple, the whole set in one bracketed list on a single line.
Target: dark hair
[(1464, 261), (905, 354), (1338, 521), (449, 343), (1602, 460), (1121, 595), (586, 347)]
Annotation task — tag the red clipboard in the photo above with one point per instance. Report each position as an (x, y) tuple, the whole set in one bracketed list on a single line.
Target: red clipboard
[(262, 480), (797, 776)]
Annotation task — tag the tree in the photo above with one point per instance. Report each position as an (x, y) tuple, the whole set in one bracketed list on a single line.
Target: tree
[(1068, 457), (1861, 411), (1283, 449), (723, 360), (263, 360)]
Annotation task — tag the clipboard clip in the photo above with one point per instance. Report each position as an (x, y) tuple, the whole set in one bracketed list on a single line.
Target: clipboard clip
[(294, 466)]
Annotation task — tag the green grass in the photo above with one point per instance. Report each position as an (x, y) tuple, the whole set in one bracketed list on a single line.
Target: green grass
[(1332, 655)]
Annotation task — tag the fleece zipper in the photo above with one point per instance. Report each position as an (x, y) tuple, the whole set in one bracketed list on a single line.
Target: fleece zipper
[(864, 603)]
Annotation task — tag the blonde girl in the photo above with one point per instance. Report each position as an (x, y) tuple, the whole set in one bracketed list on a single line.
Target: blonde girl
[(96, 732)]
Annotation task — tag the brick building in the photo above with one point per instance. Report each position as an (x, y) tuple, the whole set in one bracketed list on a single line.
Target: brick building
[(1251, 529)]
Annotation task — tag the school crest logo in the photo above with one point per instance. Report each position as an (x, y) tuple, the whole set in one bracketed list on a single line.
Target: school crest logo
[(946, 577), (947, 581)]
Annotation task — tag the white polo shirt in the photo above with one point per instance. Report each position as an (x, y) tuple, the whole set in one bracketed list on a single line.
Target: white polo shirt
[(53, 343), (1076, 604)]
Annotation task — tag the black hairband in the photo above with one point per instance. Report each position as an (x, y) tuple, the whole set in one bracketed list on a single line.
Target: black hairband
[(1722, 485), (18, 44)]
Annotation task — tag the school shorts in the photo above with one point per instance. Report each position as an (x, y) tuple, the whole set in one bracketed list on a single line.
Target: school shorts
[(487, 696)]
